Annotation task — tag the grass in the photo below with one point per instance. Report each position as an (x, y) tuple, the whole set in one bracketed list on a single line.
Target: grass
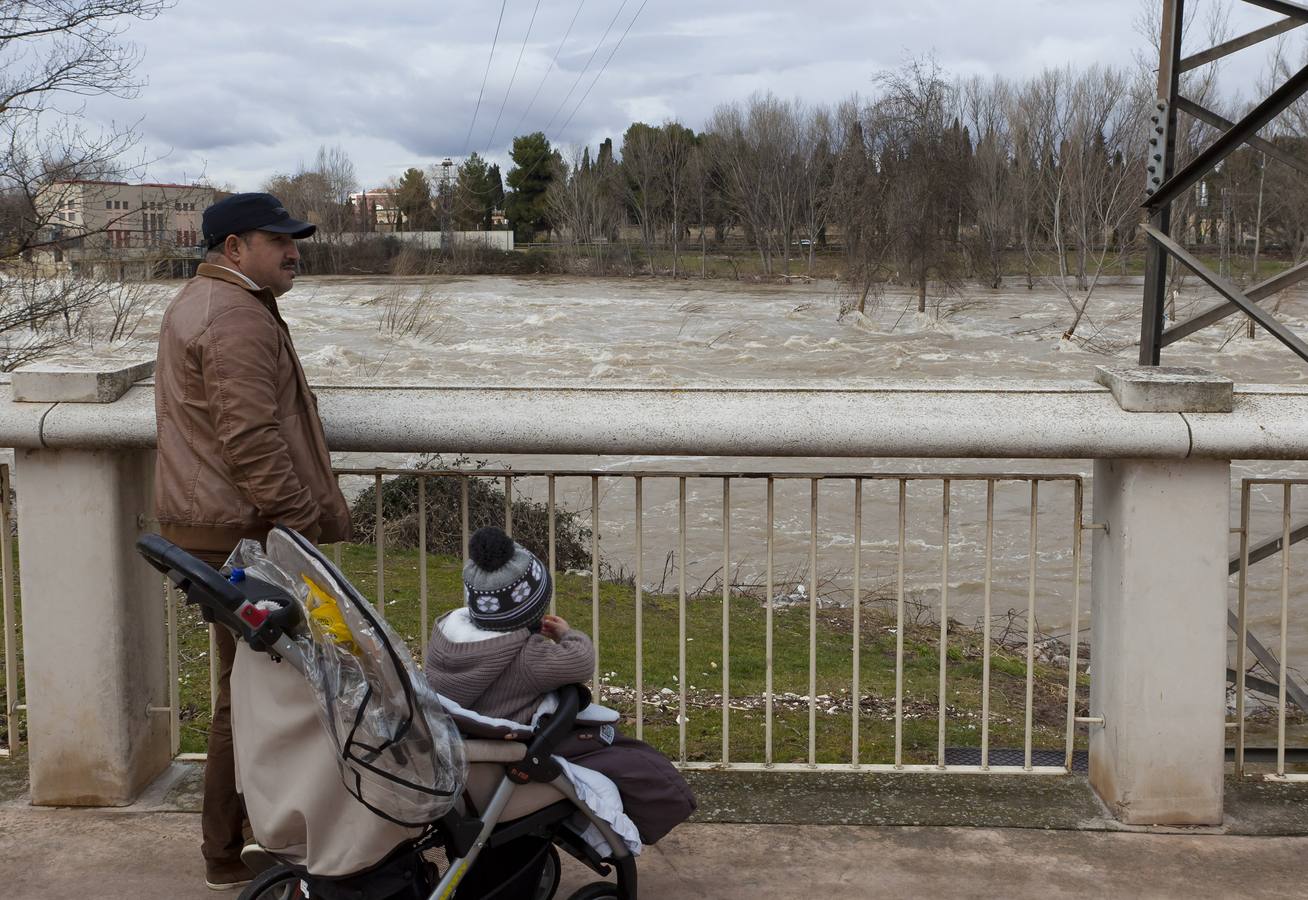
[(747, 680)]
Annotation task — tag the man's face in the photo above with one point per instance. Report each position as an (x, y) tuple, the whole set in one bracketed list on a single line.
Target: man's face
[(267, 259)]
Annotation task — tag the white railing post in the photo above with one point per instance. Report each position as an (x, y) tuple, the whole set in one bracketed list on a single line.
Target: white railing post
[(93, 634), (1159, 597)]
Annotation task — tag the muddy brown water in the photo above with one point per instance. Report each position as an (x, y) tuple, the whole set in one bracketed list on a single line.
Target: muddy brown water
[(522, 331)]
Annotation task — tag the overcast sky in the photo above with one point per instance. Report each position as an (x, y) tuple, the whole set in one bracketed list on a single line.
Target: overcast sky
[(242, 89)]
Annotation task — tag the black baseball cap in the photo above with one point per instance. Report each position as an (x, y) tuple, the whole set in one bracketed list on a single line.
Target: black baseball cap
[(250, 212)]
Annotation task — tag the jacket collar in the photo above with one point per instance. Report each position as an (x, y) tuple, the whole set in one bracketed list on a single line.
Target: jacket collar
[(208, 270)]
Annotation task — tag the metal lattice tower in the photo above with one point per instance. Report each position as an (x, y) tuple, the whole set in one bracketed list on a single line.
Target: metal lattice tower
[(1165, 184)]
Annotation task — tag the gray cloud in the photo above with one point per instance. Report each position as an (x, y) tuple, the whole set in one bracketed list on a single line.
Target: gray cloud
[(246, 89)]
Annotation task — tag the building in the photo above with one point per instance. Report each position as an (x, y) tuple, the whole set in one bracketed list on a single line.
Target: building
[(375, 210), (100, 217)]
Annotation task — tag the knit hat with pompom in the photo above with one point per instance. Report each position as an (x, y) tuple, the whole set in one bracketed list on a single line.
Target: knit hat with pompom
[(504, 585)]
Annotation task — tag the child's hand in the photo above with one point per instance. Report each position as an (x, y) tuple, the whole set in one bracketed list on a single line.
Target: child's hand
[(554, 627)]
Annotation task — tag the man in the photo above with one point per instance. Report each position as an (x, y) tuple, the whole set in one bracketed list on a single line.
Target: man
[(241, 447)]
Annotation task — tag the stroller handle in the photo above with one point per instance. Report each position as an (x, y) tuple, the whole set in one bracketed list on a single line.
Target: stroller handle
[(242, 608)]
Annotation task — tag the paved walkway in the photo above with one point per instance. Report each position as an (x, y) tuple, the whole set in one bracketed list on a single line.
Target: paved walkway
[(765, 837), (57, 854)]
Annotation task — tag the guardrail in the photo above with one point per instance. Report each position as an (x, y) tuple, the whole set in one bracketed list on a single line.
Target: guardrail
[(1270, 673), (13, 704), (1158, 585), (801, 692)]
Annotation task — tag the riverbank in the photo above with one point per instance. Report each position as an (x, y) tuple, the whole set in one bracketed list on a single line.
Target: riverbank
[(731, 261)]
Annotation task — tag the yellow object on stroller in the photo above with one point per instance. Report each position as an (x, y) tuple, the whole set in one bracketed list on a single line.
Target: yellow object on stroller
[(352, 770)]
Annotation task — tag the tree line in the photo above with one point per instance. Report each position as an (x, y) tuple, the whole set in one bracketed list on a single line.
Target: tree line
[(929, 182)]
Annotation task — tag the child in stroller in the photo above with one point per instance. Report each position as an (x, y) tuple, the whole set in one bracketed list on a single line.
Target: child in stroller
[(352, 775), (501, 655)]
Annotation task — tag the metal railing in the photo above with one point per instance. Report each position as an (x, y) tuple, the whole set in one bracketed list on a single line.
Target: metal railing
[(12, 695), (1271, 673), (778, 704)]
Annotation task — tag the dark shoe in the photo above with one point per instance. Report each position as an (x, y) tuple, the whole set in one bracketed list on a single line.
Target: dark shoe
[(227, 876)]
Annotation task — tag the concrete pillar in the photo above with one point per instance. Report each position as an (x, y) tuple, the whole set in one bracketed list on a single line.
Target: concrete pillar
[(93, 624), (1158, 641)]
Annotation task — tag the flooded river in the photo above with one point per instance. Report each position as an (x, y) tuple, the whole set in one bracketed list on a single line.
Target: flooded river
[(529, 331)]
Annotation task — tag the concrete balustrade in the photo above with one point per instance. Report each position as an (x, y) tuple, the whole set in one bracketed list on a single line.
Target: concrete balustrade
[(93, 635), (93, 627)]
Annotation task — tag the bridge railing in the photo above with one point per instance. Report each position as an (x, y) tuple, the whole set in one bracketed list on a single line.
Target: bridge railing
[(1158, 576)]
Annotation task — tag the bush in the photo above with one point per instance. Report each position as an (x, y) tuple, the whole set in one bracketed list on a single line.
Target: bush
[(485, 507)]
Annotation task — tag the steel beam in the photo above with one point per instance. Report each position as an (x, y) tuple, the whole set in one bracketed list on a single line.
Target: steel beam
[(1264, 687), (1227, 289), (1258, 553), (1235, 45), (1263, 145), (1259, 292), (1236, 135), (1284, 7), (1269, 548), (1160, 216)]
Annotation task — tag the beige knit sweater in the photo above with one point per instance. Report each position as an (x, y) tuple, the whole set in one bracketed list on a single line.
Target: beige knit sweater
[(507, 675)]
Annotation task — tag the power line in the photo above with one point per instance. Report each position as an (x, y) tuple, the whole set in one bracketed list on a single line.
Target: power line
[(609, 59), (494, 128), (612, 53), (586, 67), (477, 108), (541, 84)]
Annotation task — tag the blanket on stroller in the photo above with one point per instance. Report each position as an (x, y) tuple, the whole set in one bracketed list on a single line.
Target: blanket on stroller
[(593, 787)]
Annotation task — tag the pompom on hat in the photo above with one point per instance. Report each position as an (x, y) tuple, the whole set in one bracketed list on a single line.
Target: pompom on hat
[(504, 584)]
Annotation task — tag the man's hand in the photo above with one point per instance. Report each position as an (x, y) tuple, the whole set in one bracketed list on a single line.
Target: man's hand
[(554, 627)]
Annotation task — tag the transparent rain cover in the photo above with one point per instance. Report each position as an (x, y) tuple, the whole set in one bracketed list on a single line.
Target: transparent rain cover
[(399, 754)]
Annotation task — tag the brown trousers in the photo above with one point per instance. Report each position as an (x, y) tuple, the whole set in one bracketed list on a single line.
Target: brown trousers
[(223, 823), (222, 817)]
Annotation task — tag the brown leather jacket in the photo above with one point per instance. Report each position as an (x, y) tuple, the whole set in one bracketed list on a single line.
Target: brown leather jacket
[(241, 447)]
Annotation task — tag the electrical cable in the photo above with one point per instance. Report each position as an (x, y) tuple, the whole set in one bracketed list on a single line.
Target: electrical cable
[(585, 68), (467, 140), (541, 84), (512, 78), (612, 53)]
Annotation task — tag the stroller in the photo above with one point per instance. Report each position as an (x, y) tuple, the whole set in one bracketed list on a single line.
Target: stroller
[(358, 789)]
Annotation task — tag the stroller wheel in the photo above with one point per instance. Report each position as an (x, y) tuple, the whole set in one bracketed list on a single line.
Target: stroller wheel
[(277, 883), (596, 890), (549, 876)]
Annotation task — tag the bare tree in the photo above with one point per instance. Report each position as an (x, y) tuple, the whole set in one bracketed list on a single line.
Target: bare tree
[(991, 187), (52, 53), (817, 166), (677, 147), (1097, 188), (1035, 122), (698, 177), (756, 150), (858, 197), (733, 157), (920, 154), (583, 203), (643, 177)]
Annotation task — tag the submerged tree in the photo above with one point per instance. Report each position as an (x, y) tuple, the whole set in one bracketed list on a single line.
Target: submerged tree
[(921, 157)]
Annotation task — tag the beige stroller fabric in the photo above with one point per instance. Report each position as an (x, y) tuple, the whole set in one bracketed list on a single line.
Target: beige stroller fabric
[(299, 808)]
